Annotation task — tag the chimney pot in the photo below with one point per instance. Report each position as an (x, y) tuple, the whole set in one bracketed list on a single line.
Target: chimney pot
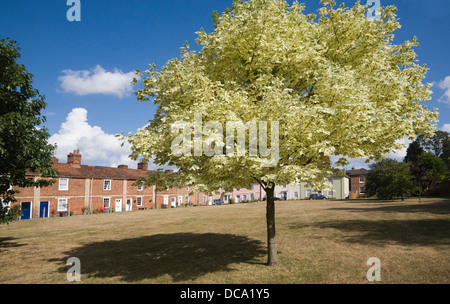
[(74, 159), (143, 166)]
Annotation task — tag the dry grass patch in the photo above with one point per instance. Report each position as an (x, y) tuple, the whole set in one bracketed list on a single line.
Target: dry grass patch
[(318, 242)]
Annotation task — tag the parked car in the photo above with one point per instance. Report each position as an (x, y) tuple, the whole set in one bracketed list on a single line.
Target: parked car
[(218, 202), (317, 196), (275, 199)]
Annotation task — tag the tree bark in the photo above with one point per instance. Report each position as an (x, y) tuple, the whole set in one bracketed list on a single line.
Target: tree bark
[(272, 259)]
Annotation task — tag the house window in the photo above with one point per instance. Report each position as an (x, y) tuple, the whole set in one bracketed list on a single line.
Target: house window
[(330, 193), (107, 184), (187, 188), (107, 202), (296, 195), (139, 201), (205, 199), (63, 184), (187, 199), (140, 188), (252, 197), (361, 178), (284, 185), (62, 204), (244, 197), (362, 190), (308, 192)]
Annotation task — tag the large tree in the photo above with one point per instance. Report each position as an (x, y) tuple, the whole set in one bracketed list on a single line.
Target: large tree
[(331, 84), (23, 139)]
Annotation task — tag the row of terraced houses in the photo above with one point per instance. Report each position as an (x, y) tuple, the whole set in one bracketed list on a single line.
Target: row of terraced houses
[(83, 189)]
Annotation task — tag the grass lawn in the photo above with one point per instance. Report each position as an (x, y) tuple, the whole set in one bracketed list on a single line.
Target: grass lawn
[(318, 242)]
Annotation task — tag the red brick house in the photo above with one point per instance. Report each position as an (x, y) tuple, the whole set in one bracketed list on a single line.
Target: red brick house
[(358, 179), (80, 188)]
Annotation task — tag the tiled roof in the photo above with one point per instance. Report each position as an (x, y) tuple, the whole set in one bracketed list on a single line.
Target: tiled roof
[(67, 170), (361, 171)]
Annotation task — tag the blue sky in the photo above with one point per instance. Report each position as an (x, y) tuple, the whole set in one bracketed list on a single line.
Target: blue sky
[(72, 61)]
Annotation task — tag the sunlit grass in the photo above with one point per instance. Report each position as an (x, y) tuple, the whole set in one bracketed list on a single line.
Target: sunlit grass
[(318, 242)]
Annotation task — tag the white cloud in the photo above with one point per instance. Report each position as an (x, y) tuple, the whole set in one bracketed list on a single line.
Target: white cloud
[(96, 146), (445, 85), (446, 128), (97, 81)]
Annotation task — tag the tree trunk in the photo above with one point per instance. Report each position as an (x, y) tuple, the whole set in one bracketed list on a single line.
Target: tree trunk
[(271, 238)]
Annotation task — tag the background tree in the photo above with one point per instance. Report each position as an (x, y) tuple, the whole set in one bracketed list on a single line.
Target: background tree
[(434, 144), (389, 179), (23, 141), (413, 152), (427, 172), (334, 82)]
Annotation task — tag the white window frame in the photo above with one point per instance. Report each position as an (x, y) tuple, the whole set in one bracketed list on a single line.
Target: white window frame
[(61, 185), (105, 188), (140, 188), (107, 199), (187, 188), (363, 179), (139, 201), (362, 192), (62, 201)]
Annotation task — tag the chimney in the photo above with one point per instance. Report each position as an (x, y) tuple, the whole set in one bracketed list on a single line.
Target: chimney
[(74, 159), (143, 166), (54, 160), (123, 167)]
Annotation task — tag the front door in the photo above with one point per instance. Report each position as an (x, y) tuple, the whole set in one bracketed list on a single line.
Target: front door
[(118, 205), (128, 207), (43, 209), (26, 210)]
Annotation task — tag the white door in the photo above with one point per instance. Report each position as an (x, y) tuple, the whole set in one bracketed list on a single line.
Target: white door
[(118, 205), (180, 200), (129, 205), (166, 200), (174, 202)]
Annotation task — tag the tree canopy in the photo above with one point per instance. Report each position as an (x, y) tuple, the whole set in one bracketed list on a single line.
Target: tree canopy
[(23, 140), (333, 84)]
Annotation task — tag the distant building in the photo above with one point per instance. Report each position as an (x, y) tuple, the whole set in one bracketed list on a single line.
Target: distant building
[(358, 179), (79, 188), (301, 190)]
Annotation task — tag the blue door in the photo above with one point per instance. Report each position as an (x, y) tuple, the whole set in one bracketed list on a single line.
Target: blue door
[(26, 210), (43, 209)]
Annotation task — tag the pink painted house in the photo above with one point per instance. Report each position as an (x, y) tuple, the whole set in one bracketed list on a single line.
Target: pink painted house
[(256, 193)]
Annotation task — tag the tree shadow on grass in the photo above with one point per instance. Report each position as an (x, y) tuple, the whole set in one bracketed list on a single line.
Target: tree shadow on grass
[(441, 207), (386, 232), (8, 242), (182, 256)]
